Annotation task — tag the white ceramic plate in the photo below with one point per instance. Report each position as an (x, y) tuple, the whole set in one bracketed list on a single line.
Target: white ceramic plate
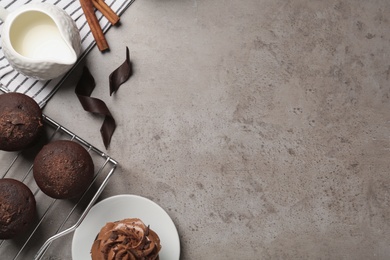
[(121, 207)]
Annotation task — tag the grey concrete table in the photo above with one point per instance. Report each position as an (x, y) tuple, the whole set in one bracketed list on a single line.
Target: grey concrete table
[(261, 127)]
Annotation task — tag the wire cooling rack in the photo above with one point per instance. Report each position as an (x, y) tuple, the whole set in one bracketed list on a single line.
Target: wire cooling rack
[(55, 218)]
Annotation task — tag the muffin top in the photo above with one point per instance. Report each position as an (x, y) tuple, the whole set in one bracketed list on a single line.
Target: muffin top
[(63, 169), (17, 208), (20, 121)]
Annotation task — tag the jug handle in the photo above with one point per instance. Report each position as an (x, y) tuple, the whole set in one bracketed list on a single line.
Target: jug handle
[(3, 13)]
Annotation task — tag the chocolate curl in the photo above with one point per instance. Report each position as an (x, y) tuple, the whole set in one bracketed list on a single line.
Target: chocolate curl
[(84, 89), (121, 74)]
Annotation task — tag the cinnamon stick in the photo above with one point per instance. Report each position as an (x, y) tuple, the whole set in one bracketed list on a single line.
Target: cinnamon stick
[(111, 16), (94, 25)]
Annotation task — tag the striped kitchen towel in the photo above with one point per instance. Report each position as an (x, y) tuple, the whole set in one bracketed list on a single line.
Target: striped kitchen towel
[(42, 91)]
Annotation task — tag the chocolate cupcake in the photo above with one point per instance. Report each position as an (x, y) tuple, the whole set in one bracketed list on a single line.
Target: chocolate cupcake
[(126, 239), (20, 121), (17, 208), (63, 169)]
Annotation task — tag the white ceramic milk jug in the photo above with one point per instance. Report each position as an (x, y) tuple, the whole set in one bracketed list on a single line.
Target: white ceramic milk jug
[(40, 40)]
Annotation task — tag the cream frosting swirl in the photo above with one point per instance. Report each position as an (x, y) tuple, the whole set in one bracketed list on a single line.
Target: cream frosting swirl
[(127, 239)]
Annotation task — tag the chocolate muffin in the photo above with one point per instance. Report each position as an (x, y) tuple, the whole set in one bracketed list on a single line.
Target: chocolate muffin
[(126, 239), (63, 169), (20, 121), (17, 208)]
